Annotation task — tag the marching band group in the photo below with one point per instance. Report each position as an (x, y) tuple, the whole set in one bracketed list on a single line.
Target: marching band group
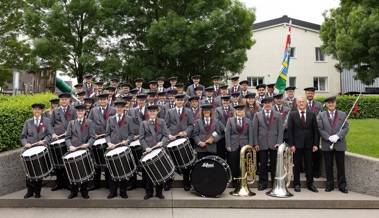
[(218, 120)]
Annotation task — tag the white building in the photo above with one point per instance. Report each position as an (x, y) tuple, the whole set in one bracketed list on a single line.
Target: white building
[(308, 66)]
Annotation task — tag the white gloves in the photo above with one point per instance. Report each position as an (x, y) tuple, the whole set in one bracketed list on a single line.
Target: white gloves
[(333, 138)]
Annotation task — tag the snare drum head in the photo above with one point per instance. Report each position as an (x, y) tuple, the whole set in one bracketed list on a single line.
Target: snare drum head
[(59, 141), (151, 155), (177, 142), (33, 151), (135, 143), (209, 177), (118, 150), (75, 154), (100, 141)]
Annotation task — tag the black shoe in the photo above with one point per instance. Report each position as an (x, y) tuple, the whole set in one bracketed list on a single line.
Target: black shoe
[(28, 195), (85, 196), (186, 188), (167, 187), (262, 187), (56, 187), (123, 195), (72, 195), (343, 190), (147, 197), (312, 188), (160, 196), (111, 195), (37, 195), (329, 189), (297, 188)]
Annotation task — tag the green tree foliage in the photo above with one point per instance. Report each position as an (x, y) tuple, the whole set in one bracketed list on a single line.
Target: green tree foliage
[(350, 34)]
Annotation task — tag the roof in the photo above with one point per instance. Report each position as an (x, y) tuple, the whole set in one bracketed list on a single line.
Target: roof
[(285, 20)]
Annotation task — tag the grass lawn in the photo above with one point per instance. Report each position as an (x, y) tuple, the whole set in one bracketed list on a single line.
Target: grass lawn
[(363, 137)]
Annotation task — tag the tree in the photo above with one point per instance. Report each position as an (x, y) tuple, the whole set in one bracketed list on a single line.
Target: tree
[(350, 34), (184, 38)]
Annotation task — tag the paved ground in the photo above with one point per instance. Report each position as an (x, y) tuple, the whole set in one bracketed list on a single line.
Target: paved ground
[(182, 213)]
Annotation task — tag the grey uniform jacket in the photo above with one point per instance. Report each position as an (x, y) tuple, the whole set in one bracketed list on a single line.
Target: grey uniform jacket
[(137, 119), (176, 124), (316, 107), (191, 92), (268, 134), (221, 116), (100, 120), (31, 134), (116, 132), (283, 111), (150, 135), (77, 135), (206, 101), (328, 128), (60, 120), (89, 90), (201, 133), (236, 137)]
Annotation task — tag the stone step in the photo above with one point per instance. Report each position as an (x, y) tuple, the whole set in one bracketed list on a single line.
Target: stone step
[(178, 198)]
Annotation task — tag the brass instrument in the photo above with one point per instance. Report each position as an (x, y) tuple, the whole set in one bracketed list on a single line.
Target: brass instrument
[(248, 168), (73, 99), (284, 172)]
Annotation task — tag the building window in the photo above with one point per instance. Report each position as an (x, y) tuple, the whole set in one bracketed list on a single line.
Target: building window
[(321, 83), (254, 81), (292, 81), (319, 55), (293, 52)]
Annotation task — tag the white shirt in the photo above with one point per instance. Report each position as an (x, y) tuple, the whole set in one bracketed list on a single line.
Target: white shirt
[(305, 116)]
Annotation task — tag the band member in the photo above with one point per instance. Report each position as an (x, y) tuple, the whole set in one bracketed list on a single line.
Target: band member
[(99, 116), (139, 82), (153, 85), (279, 107), (251, 106), (268, 135), (179, 121), (196, 82), (222, 114), (54, 103), (290, 100), (194, 107), (180, 91), (261, 90), (238, 133), (36, 130), (99, 89), (209, 99), (89, 103), (216, 85), (78, 88), (153, 133), (88, 86), (332, 132), (60, 119), (315, 107), (244, 85), (115, 83), (223, 90), (171, 99), (119, 131), (206, 133), (128, 104), (151, 100), (270, 90), (80, 135), (173, 80), (81, 95), (125, 90), (133, 93), (160, 81), (162, 100), (234, 100), (199, 93), (235, 87), (304, 139), (111, 91)]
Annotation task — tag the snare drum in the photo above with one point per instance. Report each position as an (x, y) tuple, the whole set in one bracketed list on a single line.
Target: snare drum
[(137, 152), (158, 165), (79, 166), (56, 150), (36, 162), (120, 163), (210, 176), (181, 153), (98, 150)]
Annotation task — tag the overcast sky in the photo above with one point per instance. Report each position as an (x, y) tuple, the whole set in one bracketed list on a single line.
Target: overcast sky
[(306, 10)]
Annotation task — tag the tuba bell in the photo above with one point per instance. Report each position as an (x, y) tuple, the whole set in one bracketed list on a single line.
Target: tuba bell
[(284, 172), (248, 168)]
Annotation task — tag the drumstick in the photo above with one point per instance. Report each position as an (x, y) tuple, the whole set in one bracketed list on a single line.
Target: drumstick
[(62, 135), (155, 146), (100, 135)]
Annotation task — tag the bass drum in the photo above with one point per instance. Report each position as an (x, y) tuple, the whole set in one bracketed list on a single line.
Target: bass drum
[(210, 176)]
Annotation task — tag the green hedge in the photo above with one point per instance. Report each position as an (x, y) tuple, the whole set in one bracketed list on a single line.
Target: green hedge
[(368, 106), (14, 110)]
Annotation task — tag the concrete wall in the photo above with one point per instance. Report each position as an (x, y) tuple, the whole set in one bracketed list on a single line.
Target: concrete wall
[(12, 175)]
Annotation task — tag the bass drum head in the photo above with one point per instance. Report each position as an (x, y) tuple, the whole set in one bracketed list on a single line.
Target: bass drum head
[(209, 176)]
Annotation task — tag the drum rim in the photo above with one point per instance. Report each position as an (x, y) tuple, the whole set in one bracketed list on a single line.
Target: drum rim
[(185, 140), (118, 154), (43, 151), (158, 154), (85, 153)]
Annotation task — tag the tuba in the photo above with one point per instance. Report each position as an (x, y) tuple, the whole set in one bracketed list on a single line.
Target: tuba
[(248, 168), (284, 172)]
